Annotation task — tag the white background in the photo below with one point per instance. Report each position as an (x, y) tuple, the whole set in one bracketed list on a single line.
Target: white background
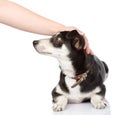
[(27, 78)]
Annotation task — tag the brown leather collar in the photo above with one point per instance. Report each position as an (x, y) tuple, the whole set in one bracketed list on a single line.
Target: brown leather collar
[(79, 78)]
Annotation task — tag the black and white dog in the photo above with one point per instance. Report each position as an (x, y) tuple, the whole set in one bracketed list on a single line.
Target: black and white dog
[(82, 75)]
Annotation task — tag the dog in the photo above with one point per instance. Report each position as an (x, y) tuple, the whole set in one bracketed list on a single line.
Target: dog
[(82, 75)]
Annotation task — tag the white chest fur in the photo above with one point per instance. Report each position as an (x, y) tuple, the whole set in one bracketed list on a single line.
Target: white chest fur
[(74, 93)]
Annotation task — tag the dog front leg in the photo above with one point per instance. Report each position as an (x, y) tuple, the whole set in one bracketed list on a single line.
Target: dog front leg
[(60, 103), (98, 101)]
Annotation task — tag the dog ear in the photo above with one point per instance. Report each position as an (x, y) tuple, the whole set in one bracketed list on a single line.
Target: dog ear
[(72, 34), (77, 40), (76, 43)]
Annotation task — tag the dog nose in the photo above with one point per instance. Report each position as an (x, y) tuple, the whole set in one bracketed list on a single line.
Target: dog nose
[(35, 42)]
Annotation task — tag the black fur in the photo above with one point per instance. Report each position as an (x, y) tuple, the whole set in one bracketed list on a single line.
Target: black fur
[(62, 83)]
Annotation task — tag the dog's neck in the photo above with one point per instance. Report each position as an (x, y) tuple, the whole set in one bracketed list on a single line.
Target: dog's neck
[(66, 66), (74, 65)]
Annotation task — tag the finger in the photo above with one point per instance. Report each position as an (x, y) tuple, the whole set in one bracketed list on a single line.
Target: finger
[(86, 42), (89, 51), (80, 32)]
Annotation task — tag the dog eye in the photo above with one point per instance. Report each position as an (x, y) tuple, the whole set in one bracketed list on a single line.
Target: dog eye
[(57, 42)]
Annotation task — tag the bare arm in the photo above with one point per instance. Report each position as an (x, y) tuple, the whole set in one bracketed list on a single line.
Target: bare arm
[(21, 18)]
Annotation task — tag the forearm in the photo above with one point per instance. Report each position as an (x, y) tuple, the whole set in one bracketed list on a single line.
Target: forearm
[(21, 18)]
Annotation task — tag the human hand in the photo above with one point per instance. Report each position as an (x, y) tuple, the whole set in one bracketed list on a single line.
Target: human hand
[(86, 47)]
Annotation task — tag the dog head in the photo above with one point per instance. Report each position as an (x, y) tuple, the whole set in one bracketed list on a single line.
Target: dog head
[(61, 44)]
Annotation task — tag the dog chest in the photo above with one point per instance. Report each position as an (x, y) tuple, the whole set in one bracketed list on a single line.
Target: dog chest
[(74, 95)]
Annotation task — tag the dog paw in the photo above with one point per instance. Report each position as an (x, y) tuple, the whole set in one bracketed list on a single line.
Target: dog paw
[(99, 104), (58, 107)]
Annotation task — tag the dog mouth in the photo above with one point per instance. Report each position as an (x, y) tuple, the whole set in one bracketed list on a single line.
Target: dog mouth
[(45, 53)]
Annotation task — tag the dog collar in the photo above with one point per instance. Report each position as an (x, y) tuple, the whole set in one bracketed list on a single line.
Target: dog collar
[(79, 78)]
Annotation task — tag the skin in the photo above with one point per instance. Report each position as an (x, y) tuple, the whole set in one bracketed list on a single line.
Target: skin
[(16, 16)]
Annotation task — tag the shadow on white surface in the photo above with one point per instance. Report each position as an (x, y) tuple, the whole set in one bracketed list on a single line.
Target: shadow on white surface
[(84, 109)]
